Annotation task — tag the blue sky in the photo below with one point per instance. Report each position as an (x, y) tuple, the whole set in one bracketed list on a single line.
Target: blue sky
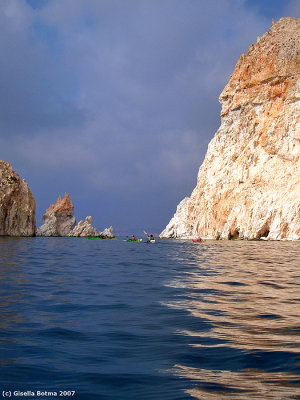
[(115, 102)]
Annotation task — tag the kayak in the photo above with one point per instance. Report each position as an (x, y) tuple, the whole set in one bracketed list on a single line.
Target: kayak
[(150, 238), (198, 241), (134, 241)]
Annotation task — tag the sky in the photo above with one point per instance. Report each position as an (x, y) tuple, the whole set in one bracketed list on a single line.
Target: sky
[(115, 101)]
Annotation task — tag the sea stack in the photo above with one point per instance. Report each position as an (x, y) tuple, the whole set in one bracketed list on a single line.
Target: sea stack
[(58, 219), (248, 186), (17, 205), (85, 229)]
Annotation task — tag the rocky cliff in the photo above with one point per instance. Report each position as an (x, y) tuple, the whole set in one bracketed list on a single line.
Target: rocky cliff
[(17, 205), (58, 219), (249, 183)]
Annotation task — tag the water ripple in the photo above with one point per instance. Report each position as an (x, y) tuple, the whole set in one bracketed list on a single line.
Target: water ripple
[(170, 321), (251, 305)]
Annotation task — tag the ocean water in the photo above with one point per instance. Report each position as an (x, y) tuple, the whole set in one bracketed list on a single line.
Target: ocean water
[(90, 319)]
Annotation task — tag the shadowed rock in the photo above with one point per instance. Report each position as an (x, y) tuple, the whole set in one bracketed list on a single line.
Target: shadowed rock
[(17, 205)]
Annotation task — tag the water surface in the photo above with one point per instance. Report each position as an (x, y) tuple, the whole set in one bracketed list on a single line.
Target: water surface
[(171, 320)]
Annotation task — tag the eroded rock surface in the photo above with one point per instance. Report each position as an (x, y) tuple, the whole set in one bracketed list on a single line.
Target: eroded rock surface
[(17, 205), (249, 183), (58, 219), (108, 233), (85, 229)]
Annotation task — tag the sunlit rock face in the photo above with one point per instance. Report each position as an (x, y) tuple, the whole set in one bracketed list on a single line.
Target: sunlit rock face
[(249, 183), (108, 233), (85, 228), (17, 205), (179, 226), (58, 219)]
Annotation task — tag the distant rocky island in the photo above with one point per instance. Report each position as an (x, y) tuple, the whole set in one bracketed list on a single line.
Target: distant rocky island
[(17, 212), (248, 186)]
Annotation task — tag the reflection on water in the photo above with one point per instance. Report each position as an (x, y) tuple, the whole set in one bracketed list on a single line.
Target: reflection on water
[(251, 384), (248, 295), (218, 320)]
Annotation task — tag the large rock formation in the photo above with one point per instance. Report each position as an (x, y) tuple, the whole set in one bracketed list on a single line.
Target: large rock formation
[(17, 205), (249, 183), (58, 219), (85, 228)]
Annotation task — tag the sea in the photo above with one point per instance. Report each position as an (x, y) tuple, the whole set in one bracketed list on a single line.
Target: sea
[(107, 319)]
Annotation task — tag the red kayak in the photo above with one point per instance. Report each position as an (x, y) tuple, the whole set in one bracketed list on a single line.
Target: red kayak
[(198, 241)]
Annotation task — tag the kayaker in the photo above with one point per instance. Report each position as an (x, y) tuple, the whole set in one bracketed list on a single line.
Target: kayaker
[(132, 237), (199, 238), (150, 237)]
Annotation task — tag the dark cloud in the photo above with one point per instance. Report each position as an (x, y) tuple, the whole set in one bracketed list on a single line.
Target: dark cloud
[(116, 101), (34, 86)]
